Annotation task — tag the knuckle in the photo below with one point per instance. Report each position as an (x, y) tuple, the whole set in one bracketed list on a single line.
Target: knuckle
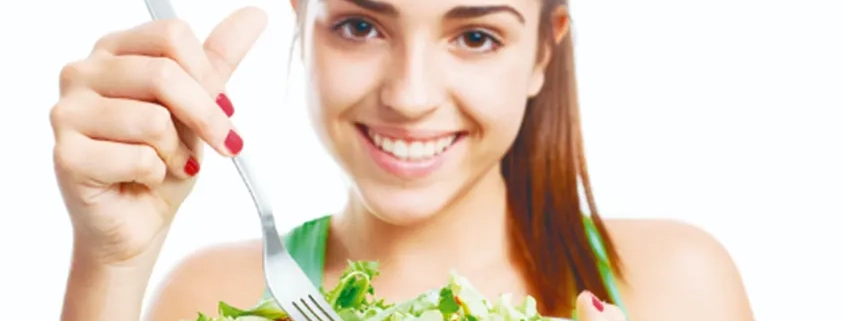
[(174, 32), (159, 124), (103, 43), (65, 110), (148, 163), (66, 158), (74, 108), (162, 71), (59, 113), (72, 72)]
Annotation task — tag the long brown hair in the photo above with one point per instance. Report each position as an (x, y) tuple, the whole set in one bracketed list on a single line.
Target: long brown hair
[(543, 170)]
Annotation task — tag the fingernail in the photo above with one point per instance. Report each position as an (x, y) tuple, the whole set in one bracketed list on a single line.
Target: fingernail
[(225, 104), (192, 167), (598, 304), (233, 142)]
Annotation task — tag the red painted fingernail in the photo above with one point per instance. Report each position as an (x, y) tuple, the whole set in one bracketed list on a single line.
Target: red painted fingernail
[(234, 143), (225, 104), (598, 304), (192, 167)]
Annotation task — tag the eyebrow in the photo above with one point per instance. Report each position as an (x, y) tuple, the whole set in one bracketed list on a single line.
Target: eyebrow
[(466, 12), (459, 12)]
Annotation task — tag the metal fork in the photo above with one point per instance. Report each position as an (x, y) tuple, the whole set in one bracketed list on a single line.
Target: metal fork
[(288, 284), (286, 281)]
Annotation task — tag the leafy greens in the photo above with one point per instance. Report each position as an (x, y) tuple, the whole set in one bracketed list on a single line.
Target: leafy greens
[(354, 300)]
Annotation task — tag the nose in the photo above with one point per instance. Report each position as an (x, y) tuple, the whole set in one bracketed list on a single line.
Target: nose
[(413, 86)]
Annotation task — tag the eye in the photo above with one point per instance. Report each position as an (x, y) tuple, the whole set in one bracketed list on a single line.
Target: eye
[(356, 29), (478, 41)]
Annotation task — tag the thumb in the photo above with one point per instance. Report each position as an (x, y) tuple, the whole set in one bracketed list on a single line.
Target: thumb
[(231, 40), (590, 308)]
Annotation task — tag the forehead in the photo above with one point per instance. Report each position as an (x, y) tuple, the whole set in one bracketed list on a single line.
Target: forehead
[(520, 9)]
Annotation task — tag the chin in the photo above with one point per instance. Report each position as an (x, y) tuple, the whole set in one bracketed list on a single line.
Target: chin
[(403, 207)]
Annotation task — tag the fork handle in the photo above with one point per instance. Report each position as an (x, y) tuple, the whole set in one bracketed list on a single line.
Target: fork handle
[(262, 204), (160, 9)]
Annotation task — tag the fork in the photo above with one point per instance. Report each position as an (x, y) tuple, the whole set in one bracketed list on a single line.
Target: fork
[(286, 282)]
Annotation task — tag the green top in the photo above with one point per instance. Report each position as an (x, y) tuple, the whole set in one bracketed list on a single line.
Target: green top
[(307, 245)]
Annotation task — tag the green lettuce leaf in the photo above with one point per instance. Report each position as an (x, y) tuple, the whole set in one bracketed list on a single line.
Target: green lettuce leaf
[(354, 299)]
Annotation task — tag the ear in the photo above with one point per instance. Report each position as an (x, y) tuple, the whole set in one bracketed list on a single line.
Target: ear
[(560, 29)]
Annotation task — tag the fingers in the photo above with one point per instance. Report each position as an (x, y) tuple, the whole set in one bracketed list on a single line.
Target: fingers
[(105, 163), (162, 62), (230, 41), (131, 122), (211, 63), (160, 80), (175, 41), (172, 39), (590, 308)]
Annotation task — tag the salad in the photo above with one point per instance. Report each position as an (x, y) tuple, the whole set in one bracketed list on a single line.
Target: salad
[(354, 300)]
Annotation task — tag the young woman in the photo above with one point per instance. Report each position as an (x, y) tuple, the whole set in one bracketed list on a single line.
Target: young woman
[(457, 121)]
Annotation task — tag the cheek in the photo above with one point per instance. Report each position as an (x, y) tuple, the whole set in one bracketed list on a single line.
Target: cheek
[(493, 95), (343, 77)]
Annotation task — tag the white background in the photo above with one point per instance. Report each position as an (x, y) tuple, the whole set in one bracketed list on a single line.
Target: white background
[(724, 113)]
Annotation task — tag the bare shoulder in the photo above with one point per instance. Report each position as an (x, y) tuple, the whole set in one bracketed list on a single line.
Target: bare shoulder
[(676, 271), (228, 272)]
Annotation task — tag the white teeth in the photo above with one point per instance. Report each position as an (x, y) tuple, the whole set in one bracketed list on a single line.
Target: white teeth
[(415, 151), (400, 149), (412, 149)]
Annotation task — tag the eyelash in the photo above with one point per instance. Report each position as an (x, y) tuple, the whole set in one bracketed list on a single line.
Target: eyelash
[(344, 29)]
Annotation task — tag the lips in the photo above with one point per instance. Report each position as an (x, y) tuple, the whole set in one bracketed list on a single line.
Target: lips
[(408, 154), (412, 149)]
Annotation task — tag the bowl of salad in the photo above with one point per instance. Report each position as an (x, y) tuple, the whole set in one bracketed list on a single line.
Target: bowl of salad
[(354, 299)]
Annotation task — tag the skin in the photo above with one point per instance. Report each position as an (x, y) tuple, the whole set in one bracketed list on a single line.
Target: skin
[(674, 271), (422, 76)]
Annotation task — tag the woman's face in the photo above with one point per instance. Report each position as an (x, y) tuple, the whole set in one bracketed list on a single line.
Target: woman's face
[(419, 100)]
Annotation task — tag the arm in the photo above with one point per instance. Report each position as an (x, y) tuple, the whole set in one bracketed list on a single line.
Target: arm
[(230, 273), (98, 292), (676, 272)]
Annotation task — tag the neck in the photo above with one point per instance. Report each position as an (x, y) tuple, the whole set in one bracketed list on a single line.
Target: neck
[(472, 228)]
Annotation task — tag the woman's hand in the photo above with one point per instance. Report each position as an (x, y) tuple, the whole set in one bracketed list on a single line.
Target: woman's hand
[(129, 127), (590, 308)]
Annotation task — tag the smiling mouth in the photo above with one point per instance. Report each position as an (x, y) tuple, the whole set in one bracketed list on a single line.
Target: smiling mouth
[(411, 149)]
